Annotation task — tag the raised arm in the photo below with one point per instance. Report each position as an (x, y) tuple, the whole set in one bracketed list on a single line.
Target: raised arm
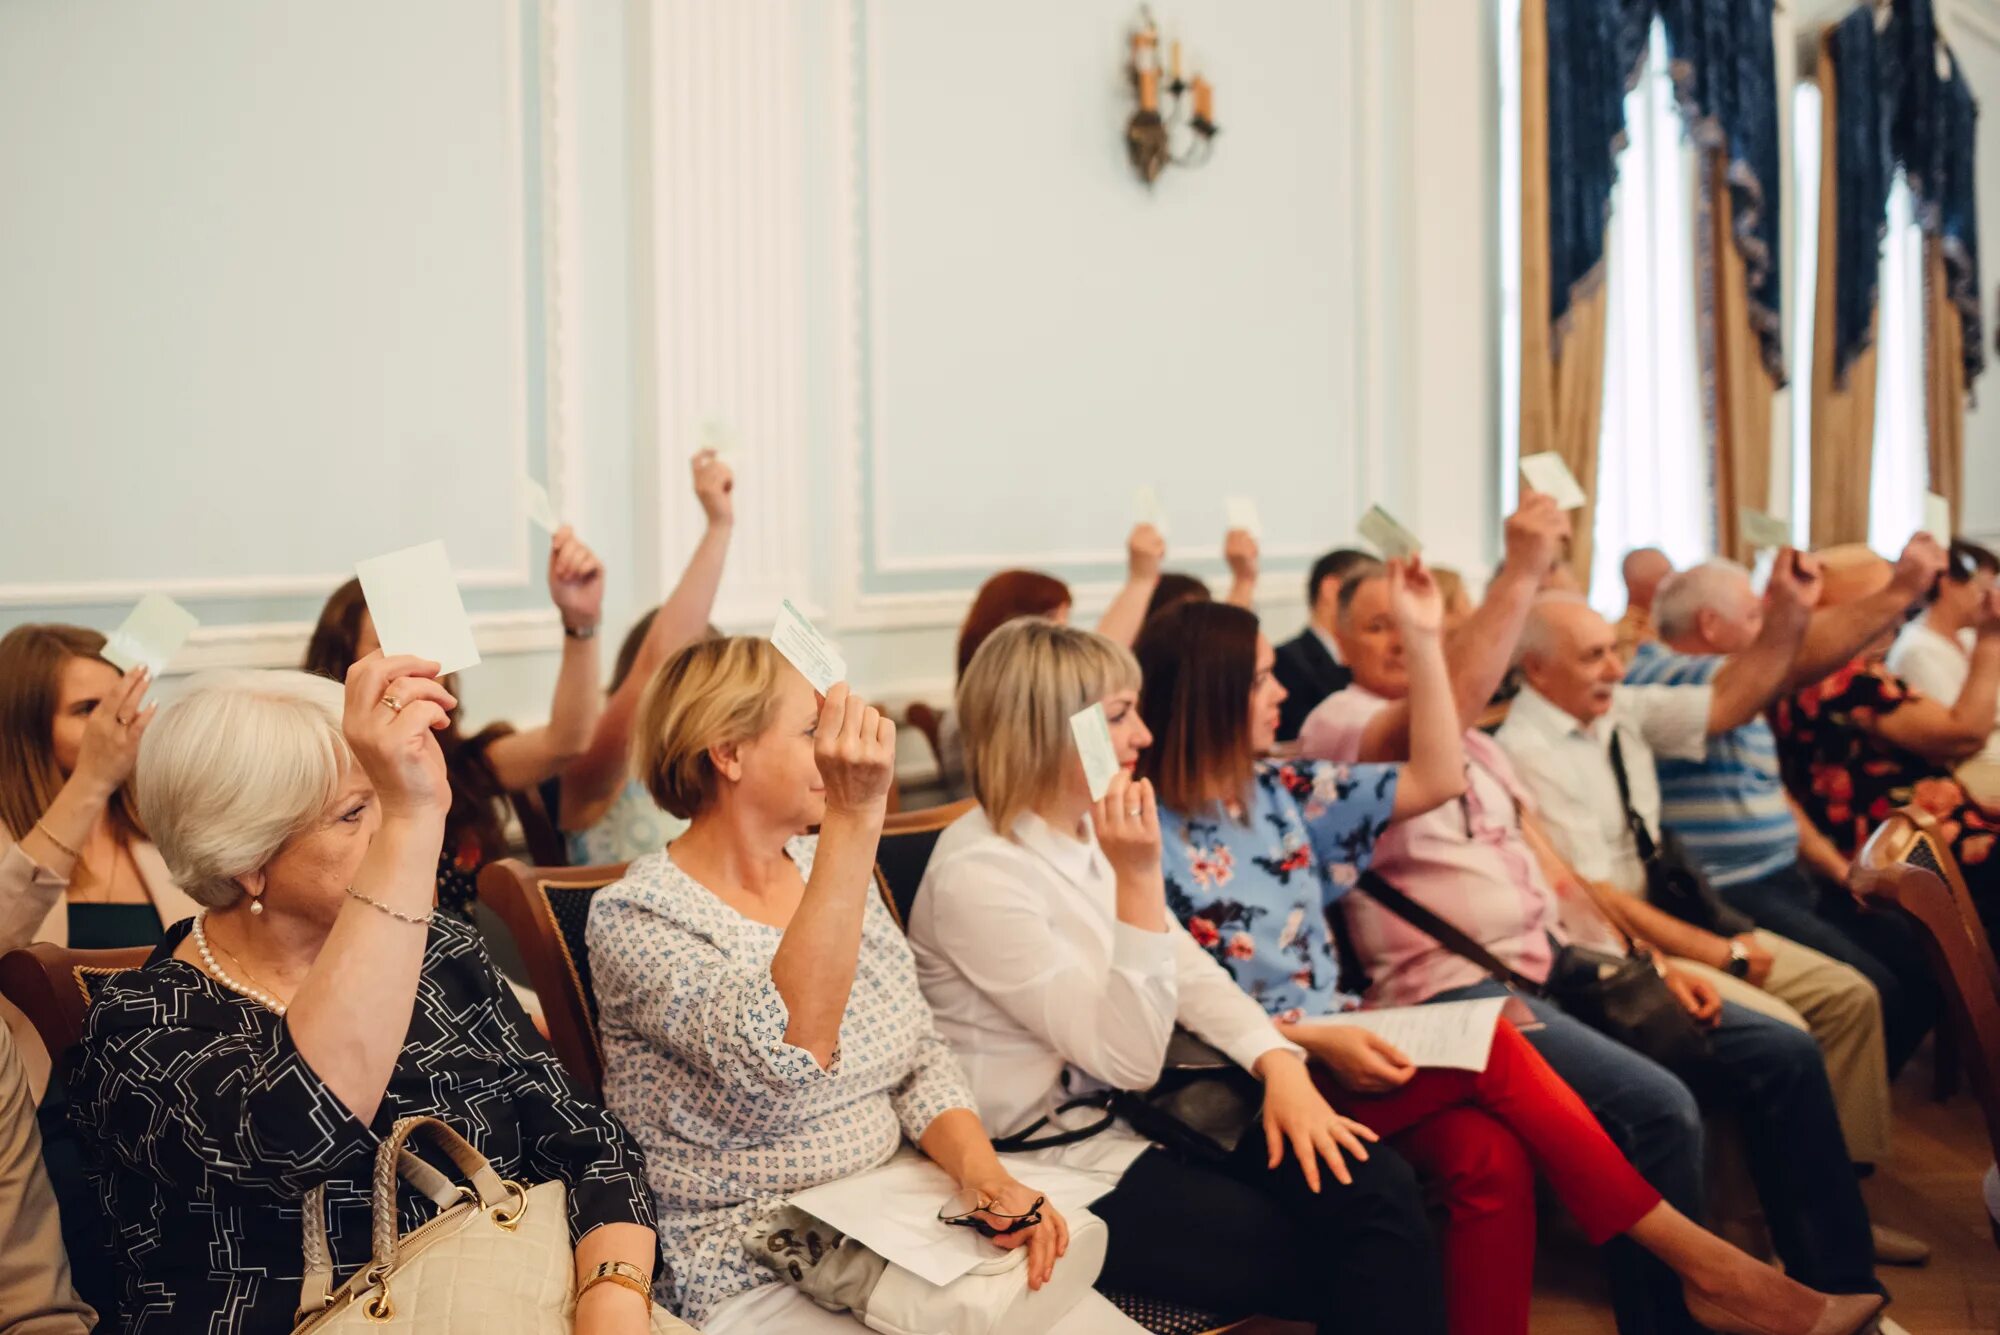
[(576, 586), (1747, 682), (1837, 634), (1145, 553), (1240, 550), (35, 872), (594, 778), (351, 1015), (1947, 734), (855, 748), (1435, 773), (1483, 648)]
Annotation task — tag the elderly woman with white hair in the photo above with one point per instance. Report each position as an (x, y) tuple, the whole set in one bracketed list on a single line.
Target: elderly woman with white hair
[(271, 1042)]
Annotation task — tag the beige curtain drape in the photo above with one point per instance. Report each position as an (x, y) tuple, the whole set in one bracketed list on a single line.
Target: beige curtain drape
[(1843, 414), (1562, 380), (1744, 386), (1944, 381)]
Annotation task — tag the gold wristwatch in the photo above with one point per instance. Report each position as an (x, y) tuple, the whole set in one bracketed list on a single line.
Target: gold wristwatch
[(625, 1275)]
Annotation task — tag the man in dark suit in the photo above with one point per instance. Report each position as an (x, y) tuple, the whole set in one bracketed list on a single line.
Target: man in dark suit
[(1308, 667)]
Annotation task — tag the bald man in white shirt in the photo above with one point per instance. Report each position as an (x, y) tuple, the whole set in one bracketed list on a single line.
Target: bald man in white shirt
[(1560, 735)]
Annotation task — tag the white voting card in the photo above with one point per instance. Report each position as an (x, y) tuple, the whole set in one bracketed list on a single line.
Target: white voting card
[(1390, 538), (1453, 1034), (535, 503), (719, 436), (413, 597), (1547, 473), (1093, 743), (1241, 512), (1937, 518), (1761, 530), (152, 633), (1146, 508), (806, 649)]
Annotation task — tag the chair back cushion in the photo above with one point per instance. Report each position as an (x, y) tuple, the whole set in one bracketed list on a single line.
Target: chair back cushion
[(54, 986)]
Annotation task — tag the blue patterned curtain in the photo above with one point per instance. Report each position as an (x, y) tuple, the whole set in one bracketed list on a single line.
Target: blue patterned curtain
[(1863, 168)]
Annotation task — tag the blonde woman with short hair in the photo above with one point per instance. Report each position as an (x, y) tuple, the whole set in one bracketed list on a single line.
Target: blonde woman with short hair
[(763, 1031), (315, 999)]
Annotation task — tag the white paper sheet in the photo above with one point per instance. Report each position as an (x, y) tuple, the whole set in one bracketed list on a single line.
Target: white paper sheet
[(413, 598), (1457, 1035), (535, 503), (152, 633), (893, 1210), (1241, 512), (1146, 509), (1937, 518), (719, 436), (1761, 530), (1547, 473), (1093, 742), (807, 650), (1390, 538)]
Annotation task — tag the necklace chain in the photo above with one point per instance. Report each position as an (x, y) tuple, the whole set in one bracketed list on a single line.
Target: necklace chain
[(256, 994)]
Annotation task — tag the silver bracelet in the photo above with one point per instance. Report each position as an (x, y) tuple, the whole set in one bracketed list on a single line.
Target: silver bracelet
[(424, 921)]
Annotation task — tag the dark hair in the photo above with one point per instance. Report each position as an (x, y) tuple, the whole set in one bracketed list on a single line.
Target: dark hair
[(1334, 565), (1173, 588), (476, 793), (1968, 559), (1009, 594), (1198, 662), (628, 652)]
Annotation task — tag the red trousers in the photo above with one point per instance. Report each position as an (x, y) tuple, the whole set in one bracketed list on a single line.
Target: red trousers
[(1480, 1138)]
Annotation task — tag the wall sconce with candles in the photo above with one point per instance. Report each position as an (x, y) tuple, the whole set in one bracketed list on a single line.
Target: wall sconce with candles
[(1150, 134)]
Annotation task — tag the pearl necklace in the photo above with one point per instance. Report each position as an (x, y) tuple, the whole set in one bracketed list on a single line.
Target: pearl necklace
[(262, 998)]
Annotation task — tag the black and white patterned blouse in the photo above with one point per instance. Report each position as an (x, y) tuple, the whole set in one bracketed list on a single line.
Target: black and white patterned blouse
[(206, 1127)]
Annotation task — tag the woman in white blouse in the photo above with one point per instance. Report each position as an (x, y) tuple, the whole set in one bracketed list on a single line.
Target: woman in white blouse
[(763, 1031), (1045, 946)]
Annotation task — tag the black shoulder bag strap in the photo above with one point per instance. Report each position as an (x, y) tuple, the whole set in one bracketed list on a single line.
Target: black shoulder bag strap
[(1026, 1139), (1446, 935), (1642, 838)]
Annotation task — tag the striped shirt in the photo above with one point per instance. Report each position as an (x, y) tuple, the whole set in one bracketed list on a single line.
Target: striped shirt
[(1729, 808)]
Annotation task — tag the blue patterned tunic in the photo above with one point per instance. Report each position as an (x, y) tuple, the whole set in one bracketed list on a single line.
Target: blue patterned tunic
[(732, 1118), (1255, 893)]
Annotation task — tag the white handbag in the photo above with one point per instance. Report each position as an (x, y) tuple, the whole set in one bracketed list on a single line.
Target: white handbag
[(495, 1260)]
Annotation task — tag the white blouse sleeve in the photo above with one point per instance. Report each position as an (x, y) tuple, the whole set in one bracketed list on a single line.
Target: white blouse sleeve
[(994, 928), (1218, 1011)]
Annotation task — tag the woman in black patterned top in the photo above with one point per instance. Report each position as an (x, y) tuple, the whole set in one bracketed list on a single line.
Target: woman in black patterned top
[(269, 1044)]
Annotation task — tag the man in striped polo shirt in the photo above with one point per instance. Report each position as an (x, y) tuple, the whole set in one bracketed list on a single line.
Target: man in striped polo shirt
[(1730, 807)]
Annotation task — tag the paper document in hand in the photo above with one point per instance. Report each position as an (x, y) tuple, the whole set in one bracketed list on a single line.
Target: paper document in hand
[(1457, 1035), (1761, 530), (1390, 538), (152, 633), (535, 503), (1241, 512), (806, 649), (1146, 509), (893, 1211), (1093, 743), (1937, 518), (1547, 473), (413, 600)]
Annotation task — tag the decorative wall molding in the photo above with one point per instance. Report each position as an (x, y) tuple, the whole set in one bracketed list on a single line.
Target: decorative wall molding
[(282, 644)]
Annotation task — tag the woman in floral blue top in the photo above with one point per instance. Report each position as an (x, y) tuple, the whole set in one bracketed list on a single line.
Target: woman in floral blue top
[(1256, 853)]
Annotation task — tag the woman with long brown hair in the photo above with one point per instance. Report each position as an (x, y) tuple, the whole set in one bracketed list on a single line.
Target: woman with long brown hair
[(498, 759)]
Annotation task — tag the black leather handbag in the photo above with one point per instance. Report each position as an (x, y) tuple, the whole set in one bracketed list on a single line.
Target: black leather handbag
[(1623, 997), (1674, 884)]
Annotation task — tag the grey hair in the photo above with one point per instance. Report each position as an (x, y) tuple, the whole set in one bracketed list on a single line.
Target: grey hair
[(1357, 578), (1538, 635), (1685, 595), (233, 769)]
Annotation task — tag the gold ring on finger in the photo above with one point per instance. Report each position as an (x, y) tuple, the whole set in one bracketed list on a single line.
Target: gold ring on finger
[(395, 705), (123, 722)]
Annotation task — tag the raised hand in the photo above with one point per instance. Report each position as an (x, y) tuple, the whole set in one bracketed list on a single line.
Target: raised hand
[(576, 580), (714, 487), (1918, 569), (855, 749), (1239, 548), (1145, 552), (1127, 822), (1414, 598), (1535, 534), (110, 746), (394, 709), (1797, 580)]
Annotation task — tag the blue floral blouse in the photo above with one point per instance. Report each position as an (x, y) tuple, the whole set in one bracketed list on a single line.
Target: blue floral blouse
[(1257, 893)]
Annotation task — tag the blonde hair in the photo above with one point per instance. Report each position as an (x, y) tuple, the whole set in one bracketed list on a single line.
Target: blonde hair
[(1014, 705), (233, 769), (710, 693)]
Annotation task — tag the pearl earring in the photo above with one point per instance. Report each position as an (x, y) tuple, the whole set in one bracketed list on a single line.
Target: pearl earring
[(256, 907)]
